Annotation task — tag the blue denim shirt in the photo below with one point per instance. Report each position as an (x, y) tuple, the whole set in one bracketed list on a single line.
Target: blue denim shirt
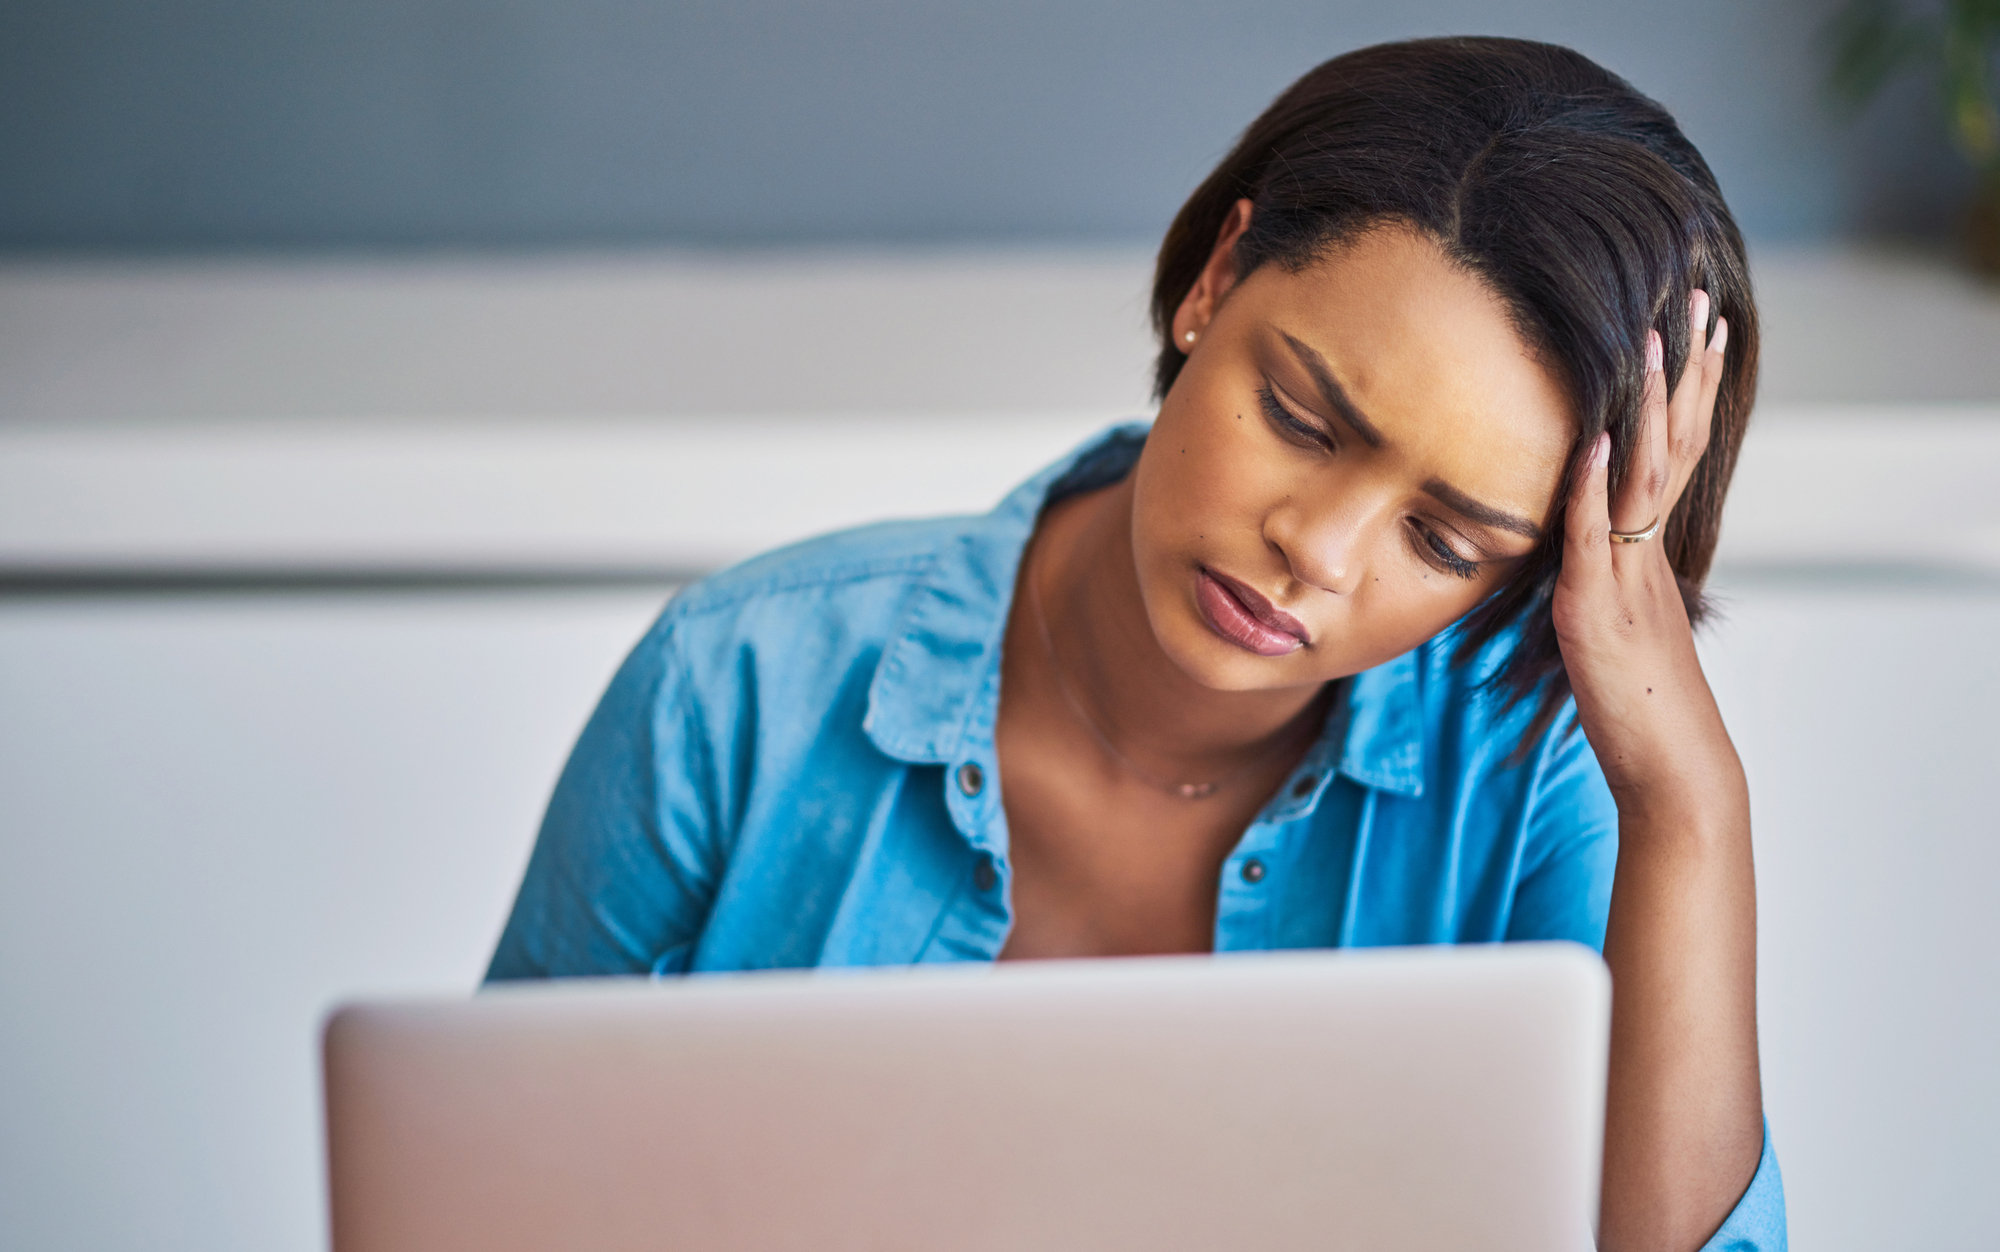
[(796, 767)]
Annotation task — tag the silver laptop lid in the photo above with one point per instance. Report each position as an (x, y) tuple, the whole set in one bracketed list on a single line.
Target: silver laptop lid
[(1397, 1099)]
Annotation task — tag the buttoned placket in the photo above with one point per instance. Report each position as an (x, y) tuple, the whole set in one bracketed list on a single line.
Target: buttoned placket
[(1252, 878), (979, 912)]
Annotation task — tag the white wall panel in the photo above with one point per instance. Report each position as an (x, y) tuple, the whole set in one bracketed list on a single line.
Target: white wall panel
[(218, 815), (1865, 718)]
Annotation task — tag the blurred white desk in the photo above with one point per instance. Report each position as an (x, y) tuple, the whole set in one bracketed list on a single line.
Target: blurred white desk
[(256, 754)]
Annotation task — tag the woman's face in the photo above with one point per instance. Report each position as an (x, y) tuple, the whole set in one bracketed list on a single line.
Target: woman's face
[(1352, 458)]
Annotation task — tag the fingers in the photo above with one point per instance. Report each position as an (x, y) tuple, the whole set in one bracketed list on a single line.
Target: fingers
[(1674, 426), (1586, 533), (1683, 410), (1648, 467), (1691, 411), (1711, 383)]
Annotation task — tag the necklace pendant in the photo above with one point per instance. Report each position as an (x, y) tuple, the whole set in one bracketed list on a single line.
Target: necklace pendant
[(1195, 791)]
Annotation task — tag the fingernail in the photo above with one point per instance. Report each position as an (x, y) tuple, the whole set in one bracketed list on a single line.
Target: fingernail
[(1721, 338), (1653, 353), (1600, 456), (1698, 310)]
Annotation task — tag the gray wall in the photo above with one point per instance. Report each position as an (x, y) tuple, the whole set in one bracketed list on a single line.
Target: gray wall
[(203, 124)]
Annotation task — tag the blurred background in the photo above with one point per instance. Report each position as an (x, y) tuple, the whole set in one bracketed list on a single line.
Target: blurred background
[(370, 373)]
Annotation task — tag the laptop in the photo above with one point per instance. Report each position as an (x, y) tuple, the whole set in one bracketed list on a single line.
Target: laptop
[(1389, 1100)]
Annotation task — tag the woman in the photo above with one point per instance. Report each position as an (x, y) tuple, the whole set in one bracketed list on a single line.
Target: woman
[(1457, 350)]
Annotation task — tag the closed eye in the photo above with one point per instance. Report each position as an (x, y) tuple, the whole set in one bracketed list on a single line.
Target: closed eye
[(1434, 548), (1289, 424)]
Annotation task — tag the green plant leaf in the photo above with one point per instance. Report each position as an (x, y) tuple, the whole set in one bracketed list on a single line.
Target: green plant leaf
[(1971, 26)]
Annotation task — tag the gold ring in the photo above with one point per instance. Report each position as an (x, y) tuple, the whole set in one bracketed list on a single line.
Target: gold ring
[(1637, 536)]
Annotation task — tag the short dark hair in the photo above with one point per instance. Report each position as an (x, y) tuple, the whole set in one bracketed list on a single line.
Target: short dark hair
[(1573, 196)]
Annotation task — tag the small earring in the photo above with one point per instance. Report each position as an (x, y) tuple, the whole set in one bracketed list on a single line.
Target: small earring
[(1189, 336)]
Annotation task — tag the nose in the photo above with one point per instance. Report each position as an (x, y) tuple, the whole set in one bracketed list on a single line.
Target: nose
[(1322, 542)]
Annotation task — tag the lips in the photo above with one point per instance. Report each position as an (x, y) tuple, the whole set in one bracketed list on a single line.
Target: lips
[(1246, 618)]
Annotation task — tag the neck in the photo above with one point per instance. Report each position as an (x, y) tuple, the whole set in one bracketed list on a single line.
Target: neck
[(1104, 644)]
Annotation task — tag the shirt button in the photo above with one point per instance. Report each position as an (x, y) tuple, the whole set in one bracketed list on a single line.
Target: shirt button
[(1253, 870), (983, 875), (971, 778), (1304, 786)]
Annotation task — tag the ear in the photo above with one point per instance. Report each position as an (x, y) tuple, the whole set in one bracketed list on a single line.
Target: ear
[(1213, 283)]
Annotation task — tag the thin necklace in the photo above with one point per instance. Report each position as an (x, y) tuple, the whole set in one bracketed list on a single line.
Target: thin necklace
[(1184, 790)]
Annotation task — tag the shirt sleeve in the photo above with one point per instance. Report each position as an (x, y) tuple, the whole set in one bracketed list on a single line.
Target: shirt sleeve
[(1570, 852), (1757, 1223), (625, 866)]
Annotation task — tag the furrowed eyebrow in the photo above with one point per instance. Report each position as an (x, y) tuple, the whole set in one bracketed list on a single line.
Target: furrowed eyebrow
[(1443, 492), (1484, 514), (1331, 391)]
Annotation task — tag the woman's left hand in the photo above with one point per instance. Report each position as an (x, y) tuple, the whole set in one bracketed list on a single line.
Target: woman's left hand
[(1683, 1114), (1624, 631)]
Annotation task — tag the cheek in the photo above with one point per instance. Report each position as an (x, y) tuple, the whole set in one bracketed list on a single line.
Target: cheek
[(1204, 469), (1403, 604)]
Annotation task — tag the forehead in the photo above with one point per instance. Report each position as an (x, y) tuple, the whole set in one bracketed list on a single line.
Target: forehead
[(1431, 355)]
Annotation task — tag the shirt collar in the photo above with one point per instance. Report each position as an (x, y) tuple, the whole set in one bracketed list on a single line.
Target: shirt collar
[(925, 695), (1383, 743), (937, 681)]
